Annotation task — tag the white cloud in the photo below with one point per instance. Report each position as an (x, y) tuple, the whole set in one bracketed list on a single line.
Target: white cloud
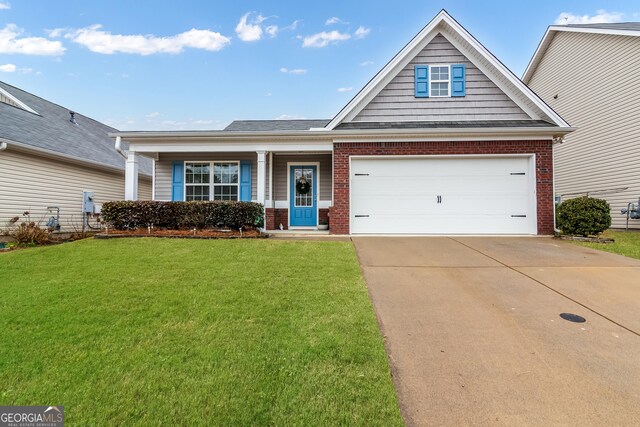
[(334, 20), (10, 42), (153, 114), (366, 63), (324, 38), (361, 32), (293, 71), (5, 5), (100, 41), (601, 16), (249, 31), (8, 68), (345, 89), (272, 30), (290, 117), (293, 25)]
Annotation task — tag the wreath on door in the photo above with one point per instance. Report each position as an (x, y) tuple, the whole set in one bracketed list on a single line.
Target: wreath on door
[(303, 186)]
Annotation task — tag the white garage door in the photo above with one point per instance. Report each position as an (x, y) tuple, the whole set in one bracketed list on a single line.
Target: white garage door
[(443, 195)]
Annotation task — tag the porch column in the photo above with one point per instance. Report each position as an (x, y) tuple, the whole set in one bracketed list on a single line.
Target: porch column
[(261, 174), (131, 177)]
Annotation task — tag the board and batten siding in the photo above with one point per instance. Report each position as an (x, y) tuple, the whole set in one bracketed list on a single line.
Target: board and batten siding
[(164, 169), (32, 183), (597, 82), (483, 99), (281, 174)]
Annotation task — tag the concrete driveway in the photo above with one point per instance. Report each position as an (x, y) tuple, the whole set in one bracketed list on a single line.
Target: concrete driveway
[(474, 336)]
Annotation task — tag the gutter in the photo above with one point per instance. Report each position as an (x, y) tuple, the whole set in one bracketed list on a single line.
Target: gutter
[(3, 146), (551, 131)]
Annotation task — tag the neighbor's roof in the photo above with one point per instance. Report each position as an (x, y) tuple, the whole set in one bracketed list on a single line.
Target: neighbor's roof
[(45, 126), (616, 29), (275, 125)]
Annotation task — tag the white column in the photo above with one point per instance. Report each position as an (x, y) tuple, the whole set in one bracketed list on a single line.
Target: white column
[(270, 199), (261, 174), (131, 177)]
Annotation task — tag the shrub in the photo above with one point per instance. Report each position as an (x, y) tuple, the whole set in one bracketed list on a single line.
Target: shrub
[(129, 215), (584, 216), (30, 234)]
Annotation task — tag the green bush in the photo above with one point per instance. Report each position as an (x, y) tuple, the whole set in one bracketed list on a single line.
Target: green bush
[(583, 216), (129, 215)]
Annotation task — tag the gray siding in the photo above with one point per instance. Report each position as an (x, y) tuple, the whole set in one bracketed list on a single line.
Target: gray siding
[(164, 169), (483, 100), (32, 183), (280, 174), (597, 81)]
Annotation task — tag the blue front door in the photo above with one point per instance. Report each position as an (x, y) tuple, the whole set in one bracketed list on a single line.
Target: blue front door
[(302, 196)]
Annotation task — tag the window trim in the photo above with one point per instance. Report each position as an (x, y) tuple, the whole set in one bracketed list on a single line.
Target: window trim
[(448, 81), (211, 184)]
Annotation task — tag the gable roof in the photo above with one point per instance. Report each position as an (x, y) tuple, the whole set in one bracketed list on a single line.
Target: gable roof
[(443, 23), (275, 125), (615, 29), (46, 127)]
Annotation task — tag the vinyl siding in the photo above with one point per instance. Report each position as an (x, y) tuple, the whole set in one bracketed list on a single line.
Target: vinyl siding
[(165, 162), (483, 99), (597, 83), (281, 174), (32, 183)]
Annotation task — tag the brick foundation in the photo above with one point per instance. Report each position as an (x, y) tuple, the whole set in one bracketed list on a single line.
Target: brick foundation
[(274, 217), (542, 150)]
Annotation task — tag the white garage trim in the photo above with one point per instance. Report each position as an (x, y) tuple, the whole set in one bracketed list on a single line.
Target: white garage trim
[(529, 228)]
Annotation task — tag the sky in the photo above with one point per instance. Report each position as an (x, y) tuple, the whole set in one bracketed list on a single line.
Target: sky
[(175, 65)]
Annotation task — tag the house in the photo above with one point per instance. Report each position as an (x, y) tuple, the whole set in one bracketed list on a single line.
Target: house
[(49, 157), (589, 74), (443, 140)]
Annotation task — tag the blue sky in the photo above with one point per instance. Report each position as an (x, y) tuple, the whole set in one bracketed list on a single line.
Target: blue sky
[(201, 64)]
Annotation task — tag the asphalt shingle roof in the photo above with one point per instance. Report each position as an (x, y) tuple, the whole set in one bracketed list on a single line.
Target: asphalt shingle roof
[(275, 125), (52, 130), (631, 26)]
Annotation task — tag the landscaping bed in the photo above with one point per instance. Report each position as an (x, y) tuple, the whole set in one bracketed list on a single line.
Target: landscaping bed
[(184, 234)]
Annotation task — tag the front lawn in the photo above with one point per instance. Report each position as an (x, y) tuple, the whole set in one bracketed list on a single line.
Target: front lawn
[(184, 332), (626, 243)]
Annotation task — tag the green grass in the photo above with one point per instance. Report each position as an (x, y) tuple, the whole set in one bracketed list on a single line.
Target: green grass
[(184, 332), (627, 243)]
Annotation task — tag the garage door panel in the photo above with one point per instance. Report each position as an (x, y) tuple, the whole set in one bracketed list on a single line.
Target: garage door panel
[(442, 196)]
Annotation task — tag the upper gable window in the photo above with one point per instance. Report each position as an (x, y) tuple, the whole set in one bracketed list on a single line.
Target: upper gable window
[(440, 80)]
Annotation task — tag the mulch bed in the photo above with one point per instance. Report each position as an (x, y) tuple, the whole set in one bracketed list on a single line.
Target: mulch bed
[(586, 239), (183, 234)]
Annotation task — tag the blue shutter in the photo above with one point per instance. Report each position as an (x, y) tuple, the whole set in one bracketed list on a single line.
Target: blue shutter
[(421, 76), (245, 181), (177, 181), (458, 86)]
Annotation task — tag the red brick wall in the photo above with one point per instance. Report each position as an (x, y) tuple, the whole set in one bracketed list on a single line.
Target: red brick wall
[(342, 151), (274, 217)]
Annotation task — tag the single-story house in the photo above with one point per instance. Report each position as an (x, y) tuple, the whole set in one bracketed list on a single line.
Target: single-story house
[(600, 96), (49, 157), (444, 139)]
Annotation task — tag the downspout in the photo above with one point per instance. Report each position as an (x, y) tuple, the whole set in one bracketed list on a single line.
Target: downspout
[(556, 140), (3, 146), (119, 147)]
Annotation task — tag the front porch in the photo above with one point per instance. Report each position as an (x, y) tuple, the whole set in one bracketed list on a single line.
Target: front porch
[(270, 176)]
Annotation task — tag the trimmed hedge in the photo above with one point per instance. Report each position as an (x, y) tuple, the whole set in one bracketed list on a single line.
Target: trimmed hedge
[(129, 215), (583, 216)]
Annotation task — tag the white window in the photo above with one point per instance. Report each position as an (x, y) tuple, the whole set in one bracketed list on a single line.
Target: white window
[(225, 181), (439, 81), (202, 184), (197, 181)]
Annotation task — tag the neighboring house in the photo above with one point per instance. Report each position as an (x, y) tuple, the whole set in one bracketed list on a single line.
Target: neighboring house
[(444, 140), (47, 161), (589, 74)]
